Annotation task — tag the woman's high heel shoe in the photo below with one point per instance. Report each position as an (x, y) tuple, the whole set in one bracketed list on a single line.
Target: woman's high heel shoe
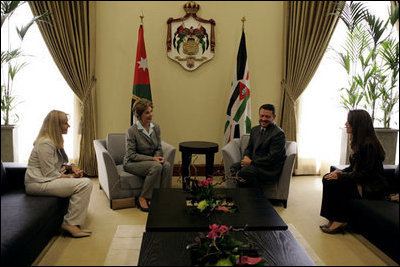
[(341, 229), (139, 206), (74, 230)]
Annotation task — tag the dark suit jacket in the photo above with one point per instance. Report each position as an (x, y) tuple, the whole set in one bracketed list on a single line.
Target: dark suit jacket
[(268, 153), (366, 169), (141, 147)]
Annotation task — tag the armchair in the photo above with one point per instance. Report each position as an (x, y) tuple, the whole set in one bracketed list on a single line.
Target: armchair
[(277, 190), (121, 187)]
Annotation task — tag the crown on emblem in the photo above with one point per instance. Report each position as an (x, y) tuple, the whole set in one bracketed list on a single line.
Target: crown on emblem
[(191, 7)]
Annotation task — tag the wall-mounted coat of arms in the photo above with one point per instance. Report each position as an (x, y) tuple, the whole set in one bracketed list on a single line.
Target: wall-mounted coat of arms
[(190, 39)]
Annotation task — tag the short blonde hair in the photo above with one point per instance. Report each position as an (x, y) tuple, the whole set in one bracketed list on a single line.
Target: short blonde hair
[(51, 128), (140, 106)]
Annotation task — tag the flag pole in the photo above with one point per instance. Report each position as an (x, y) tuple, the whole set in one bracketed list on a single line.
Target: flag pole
[(243, 20), (141, 17)]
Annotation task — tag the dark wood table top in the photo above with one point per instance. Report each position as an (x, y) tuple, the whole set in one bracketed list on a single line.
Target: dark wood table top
[(198, 147), (168, 212), (278, 248)]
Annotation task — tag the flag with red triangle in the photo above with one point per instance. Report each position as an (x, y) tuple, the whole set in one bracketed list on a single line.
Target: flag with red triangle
[(238, 121), (141, 82)]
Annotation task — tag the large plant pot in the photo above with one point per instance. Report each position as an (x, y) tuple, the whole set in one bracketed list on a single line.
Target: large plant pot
[(388, 138), (8, 143)]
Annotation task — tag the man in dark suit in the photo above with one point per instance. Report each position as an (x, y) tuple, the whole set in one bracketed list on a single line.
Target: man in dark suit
[(265, 154)]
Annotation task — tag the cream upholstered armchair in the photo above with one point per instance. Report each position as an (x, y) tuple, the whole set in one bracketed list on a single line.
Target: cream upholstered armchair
[(277, 190), (121, 187)]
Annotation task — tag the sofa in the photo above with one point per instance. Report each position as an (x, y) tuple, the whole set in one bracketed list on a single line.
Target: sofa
[(274, 190), (378, 220), (28, 223), (120, 186)]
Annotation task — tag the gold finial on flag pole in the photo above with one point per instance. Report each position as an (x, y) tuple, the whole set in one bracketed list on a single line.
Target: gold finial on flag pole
[(243, 20), (141, 17)]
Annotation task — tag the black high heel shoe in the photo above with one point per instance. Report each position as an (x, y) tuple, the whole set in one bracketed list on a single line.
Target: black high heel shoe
[(137, 202)]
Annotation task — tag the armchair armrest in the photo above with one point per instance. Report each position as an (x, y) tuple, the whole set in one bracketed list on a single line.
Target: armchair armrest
[(108, 173), (230, 154), (169, 152), (169, 156)]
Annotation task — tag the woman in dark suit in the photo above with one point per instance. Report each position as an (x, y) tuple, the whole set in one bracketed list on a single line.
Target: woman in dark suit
[(144, 156), (362, 179)]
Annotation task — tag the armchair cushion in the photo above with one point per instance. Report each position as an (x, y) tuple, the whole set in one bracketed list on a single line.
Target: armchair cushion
[(116, 146)]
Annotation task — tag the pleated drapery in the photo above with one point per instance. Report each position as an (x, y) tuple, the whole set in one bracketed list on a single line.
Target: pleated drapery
[(70, 38), (308, 29)]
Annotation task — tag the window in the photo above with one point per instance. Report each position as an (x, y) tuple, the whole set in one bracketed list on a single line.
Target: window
[(320, 115), (39, 88)]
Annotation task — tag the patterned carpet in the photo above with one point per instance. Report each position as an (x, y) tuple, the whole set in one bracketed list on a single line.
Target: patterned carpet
[(125, 247)]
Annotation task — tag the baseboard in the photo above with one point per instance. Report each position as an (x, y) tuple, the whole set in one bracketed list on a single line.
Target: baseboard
[(36, 262), (199, 170)]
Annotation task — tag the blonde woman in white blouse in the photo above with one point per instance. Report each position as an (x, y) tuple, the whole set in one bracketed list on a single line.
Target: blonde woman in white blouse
[(49, 174)]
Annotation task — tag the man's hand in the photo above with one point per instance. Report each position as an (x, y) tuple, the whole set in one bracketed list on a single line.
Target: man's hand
[(159, 159), (246, 161)]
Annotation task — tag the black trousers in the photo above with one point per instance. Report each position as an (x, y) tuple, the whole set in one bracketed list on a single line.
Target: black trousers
[(335, 199), (252, 176)]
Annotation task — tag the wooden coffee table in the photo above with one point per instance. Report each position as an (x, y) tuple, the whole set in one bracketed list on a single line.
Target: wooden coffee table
[(168, 212), (278, 248)]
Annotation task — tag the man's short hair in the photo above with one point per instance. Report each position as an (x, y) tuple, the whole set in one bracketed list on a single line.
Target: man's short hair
[(268, 107)]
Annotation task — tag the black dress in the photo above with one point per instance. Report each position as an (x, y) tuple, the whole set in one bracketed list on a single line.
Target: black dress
[(366, 170)]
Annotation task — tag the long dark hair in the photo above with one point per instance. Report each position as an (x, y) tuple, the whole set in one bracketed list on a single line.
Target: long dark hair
[(363, 132)]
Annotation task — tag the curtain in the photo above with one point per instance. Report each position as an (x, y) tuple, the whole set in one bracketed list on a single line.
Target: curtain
[(70, 38), (308, 28)]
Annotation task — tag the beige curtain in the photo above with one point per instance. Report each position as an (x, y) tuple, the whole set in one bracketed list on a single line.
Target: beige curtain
[(70, 38), (308, 28)]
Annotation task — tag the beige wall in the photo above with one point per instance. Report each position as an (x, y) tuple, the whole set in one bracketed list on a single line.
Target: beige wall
[(187, 105)]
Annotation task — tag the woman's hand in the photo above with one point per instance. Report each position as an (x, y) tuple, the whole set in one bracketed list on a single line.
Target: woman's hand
[(77, 173), (333, 175), (159, 159)]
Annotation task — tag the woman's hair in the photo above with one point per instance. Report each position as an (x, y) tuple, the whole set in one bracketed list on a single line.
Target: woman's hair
[(51, 128), (363, 132), (140, 106)]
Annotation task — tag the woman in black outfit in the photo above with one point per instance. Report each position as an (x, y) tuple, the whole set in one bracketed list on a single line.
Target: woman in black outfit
[(362, 179)]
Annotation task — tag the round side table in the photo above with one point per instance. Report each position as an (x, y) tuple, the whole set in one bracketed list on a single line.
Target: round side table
[(196, 147)]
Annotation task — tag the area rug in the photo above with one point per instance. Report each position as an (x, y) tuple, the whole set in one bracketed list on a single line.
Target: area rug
[(125, 246)]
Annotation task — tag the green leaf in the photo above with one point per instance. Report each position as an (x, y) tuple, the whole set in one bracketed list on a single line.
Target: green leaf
[(23, 30), (7, 9)]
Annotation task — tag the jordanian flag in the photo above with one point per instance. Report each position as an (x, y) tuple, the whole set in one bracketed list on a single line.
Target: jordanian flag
[(238, 121), (141, 82)]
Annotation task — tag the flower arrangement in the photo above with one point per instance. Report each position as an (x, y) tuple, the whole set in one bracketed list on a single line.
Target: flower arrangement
[(206, 200), (219, 248)]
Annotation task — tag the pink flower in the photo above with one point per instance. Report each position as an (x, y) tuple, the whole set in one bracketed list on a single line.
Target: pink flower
[(217, 231), (212, 235), (248, 260), (222, 208), (224, 230)]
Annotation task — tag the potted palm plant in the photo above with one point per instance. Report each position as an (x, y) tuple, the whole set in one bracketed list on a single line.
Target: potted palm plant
[(12, 61), (370, 57)]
